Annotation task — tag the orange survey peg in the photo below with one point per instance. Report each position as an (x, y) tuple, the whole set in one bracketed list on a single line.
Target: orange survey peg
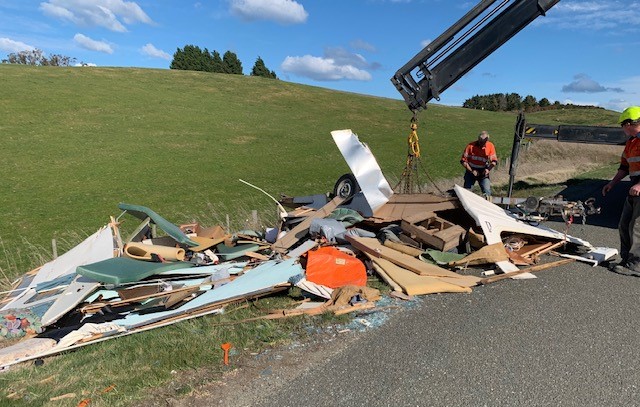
[(226, 347)]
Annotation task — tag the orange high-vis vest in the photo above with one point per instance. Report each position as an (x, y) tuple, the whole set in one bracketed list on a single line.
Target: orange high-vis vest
[(478, 157), (630, 159)]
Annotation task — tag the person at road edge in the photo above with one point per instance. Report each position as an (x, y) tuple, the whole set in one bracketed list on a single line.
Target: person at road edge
[(629, 227)]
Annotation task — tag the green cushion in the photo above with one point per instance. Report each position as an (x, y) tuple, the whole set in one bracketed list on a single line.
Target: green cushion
[(142, 212), (120, 270)]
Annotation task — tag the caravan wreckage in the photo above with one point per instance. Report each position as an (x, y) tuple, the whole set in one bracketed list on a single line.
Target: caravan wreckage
[(326, 244)]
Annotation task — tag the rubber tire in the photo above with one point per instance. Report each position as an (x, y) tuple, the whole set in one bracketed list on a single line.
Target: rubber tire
[(346, 187)]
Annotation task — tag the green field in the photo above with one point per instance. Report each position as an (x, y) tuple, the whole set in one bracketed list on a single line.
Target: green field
[(77, 141)]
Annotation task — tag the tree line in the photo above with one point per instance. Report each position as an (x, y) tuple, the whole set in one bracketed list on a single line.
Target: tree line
[(192, 58), (508, 102), (38, 58)]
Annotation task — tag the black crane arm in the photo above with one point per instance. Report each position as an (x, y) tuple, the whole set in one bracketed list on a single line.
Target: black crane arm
[(446, 59)]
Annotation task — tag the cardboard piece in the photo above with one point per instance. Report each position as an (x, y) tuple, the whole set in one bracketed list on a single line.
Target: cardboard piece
[(414, 284), (373, 247), (492, 253)]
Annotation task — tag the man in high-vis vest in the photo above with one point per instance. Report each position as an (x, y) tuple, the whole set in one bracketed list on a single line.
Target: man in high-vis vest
[(628, 226), (478, 159)]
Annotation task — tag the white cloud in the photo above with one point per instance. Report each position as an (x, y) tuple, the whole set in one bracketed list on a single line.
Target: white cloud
[(587, 6), (584, 84), (336, 64), (342, 57), (323, 69), (110, 14), (92, 45), (12, 46), (631, 86), (617, 105), (152, 51), (592, 15), (281, 11)]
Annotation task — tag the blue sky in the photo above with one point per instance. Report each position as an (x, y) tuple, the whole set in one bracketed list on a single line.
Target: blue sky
[(582, 52)]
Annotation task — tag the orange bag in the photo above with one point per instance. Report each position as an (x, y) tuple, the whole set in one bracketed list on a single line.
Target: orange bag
[(333, 268)]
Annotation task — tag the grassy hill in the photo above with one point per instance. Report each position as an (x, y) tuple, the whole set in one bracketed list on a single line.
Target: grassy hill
[(76, 142)]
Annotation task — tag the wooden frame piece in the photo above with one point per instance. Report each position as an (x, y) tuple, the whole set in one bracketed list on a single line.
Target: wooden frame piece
[(434, 231)]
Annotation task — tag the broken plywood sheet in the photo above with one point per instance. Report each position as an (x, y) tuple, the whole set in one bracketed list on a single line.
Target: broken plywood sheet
[(96, 247), (74, 294), (364, 167), (373, 247), (404, 248), (414, 284), (402, 206), (266, 275), (495, 221), (302, 249), (56, 288)]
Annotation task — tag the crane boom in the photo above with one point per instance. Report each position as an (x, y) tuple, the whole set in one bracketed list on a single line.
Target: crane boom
[(454, 53)]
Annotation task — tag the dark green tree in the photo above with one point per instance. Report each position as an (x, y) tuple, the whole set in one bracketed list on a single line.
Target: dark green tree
[(216, 62), (514, 102), (260, 69), (529, 103), (544, 102), (231, 64), (472, 103), (189, 58)]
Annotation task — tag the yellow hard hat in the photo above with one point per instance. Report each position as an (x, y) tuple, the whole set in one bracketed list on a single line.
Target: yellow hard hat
[(631, 113)]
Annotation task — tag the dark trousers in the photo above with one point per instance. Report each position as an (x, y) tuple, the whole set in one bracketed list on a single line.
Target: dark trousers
[(629, 229)]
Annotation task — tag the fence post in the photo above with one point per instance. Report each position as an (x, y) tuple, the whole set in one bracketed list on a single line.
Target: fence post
[(54, 248)]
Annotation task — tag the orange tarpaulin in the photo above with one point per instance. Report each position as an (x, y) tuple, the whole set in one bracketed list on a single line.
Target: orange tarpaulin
[(333, 268)]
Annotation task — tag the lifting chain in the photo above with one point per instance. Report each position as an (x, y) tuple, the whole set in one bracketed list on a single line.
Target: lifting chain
[(414, 145), (409, 181)]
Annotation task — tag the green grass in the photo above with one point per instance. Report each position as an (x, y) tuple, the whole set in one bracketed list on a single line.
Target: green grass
[(76, 142)]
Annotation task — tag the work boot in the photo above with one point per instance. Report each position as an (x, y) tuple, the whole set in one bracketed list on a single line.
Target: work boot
[(624, 269)]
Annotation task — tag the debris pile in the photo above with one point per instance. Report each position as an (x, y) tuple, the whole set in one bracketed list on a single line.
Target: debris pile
[(325, 244)]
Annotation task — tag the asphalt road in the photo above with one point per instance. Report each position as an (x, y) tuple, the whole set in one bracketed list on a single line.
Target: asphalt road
[(567, 338)]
